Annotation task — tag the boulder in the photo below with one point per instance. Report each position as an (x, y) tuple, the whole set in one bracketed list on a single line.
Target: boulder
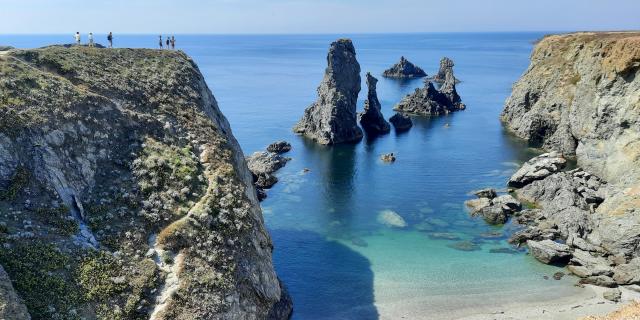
[(430, 101), (476, 205), (628, 273), (612, 294), (404, 69), (600, 281), (371, 118), (265, 162), (508, 203), (401, 122), (279, 147), (265, 180), (486, 193), (537, 168), (547, 251), (332, 118), (391, 219), (496, 210)]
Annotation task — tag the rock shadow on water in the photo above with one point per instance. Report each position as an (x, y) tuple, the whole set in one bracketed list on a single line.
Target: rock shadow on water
[(326, 279)]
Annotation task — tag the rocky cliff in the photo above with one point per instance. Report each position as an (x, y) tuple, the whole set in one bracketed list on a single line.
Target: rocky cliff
[(332, 118), (123, 193), (580, 96)]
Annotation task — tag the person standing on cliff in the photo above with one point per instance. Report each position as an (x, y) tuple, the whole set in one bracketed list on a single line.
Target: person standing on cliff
[(77, 37), (168, 42), (91, 39), (160, 41), (173, 42), (110, 39)]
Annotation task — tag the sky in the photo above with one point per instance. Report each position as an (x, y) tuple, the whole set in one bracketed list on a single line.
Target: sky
[(314, 16)]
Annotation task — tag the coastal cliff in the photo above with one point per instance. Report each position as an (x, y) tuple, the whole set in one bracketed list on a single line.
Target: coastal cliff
[(123, 193), (581, 97)]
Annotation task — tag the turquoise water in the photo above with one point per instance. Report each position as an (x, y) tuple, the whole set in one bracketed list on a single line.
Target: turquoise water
[(337, 257)]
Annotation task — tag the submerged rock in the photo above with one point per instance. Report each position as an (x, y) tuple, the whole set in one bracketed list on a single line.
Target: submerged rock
[(547, 251), (446, 67), (332, 118), (371, 118), (279, 147), (391, 219), (431, 101), (404, 69), (538, 168), (465, 246), (401, 122)]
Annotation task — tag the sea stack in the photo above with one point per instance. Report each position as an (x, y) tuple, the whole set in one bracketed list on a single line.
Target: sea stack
[(401, 122), (446, 67), (403, 70), (332, 118), (431, 101), (371, 118)]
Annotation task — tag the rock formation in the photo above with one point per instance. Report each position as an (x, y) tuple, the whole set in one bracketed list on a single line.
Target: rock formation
[(492, 208), (124, 193), (404, 70), (279, 147), (431, 101), (371, 118), (446, 68), (332, 118), (401, 122), (579, 97), (11, 305), (262, 166)]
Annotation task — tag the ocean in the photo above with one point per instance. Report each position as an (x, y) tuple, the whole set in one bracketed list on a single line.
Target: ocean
[(334, 250)]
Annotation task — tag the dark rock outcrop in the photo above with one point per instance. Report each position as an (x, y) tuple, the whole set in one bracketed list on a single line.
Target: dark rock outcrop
[(371, 118), (446, 68), (431, 101), (332, 118), (404, 70), (279, 147), (401, 122), (139, 201), (262, 164)]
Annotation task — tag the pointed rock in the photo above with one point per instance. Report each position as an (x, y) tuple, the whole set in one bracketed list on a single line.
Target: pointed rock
[(430, 101), (371, 119), (446, 66), (401, 122), (332, 118), (404, 69)]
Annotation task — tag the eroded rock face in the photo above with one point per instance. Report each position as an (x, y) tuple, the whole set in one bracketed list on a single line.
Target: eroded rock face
[(401, 122), (404, 70), (11, 305), (371, 119), (262, 166), (139, 203), (431, 101), (538, 168), (446, 68), (332, 118), (547, 251)]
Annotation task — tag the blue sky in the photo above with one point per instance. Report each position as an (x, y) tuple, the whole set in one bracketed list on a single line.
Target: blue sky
[(315, 16)]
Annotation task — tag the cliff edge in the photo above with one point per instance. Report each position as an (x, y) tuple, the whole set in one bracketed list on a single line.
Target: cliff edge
[(123, 193)]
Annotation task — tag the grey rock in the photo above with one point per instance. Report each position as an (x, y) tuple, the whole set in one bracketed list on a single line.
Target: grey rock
[(431, 101), (476, 205), (332, 118), (265, 162), (6, 48), (486, 193), (11, 305), (612, 295), (404, 69), (401, 122), (558, 275), (538, 168), (628, 273), (265, 180), (496, 210), (600, 281), (547, 251), (371, 119), (465, 246), (279, 147), (508, 203), (446, 67), (586, 259)]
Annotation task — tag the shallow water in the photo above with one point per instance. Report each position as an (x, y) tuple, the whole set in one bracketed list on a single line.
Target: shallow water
[(338, 257)]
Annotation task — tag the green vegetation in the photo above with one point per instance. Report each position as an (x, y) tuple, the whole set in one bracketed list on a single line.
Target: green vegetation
[(96, 273), (38, 273), (59, 218), (18, 182)]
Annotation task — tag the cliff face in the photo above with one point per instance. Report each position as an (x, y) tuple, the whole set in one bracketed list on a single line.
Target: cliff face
[(581, 96), (123, 193)]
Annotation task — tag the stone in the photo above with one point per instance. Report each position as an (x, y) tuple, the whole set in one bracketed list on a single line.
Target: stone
[(444, 236), (508, 203), (279, 147), (558, 275), (404, 69), (600, 281), (332, 118), (391, 219), (401, 122), (486, 193), (11, 305), (504, 250), (388, 157), (265, 162), (549, 252), (429, 101), (465, 246), (612, 294), (537, 168), (371, 119), (265, 180), (628, 273), (476, 205), (446, 67)]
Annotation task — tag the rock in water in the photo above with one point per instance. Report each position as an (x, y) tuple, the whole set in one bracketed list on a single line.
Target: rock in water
[(332, 118), (430, 101), (446, 67), (265, 162), (279, 147), (404, 69), (548, 251), (538, 168), (391, 219), (401, 122), (371, 118), (140, 152)]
